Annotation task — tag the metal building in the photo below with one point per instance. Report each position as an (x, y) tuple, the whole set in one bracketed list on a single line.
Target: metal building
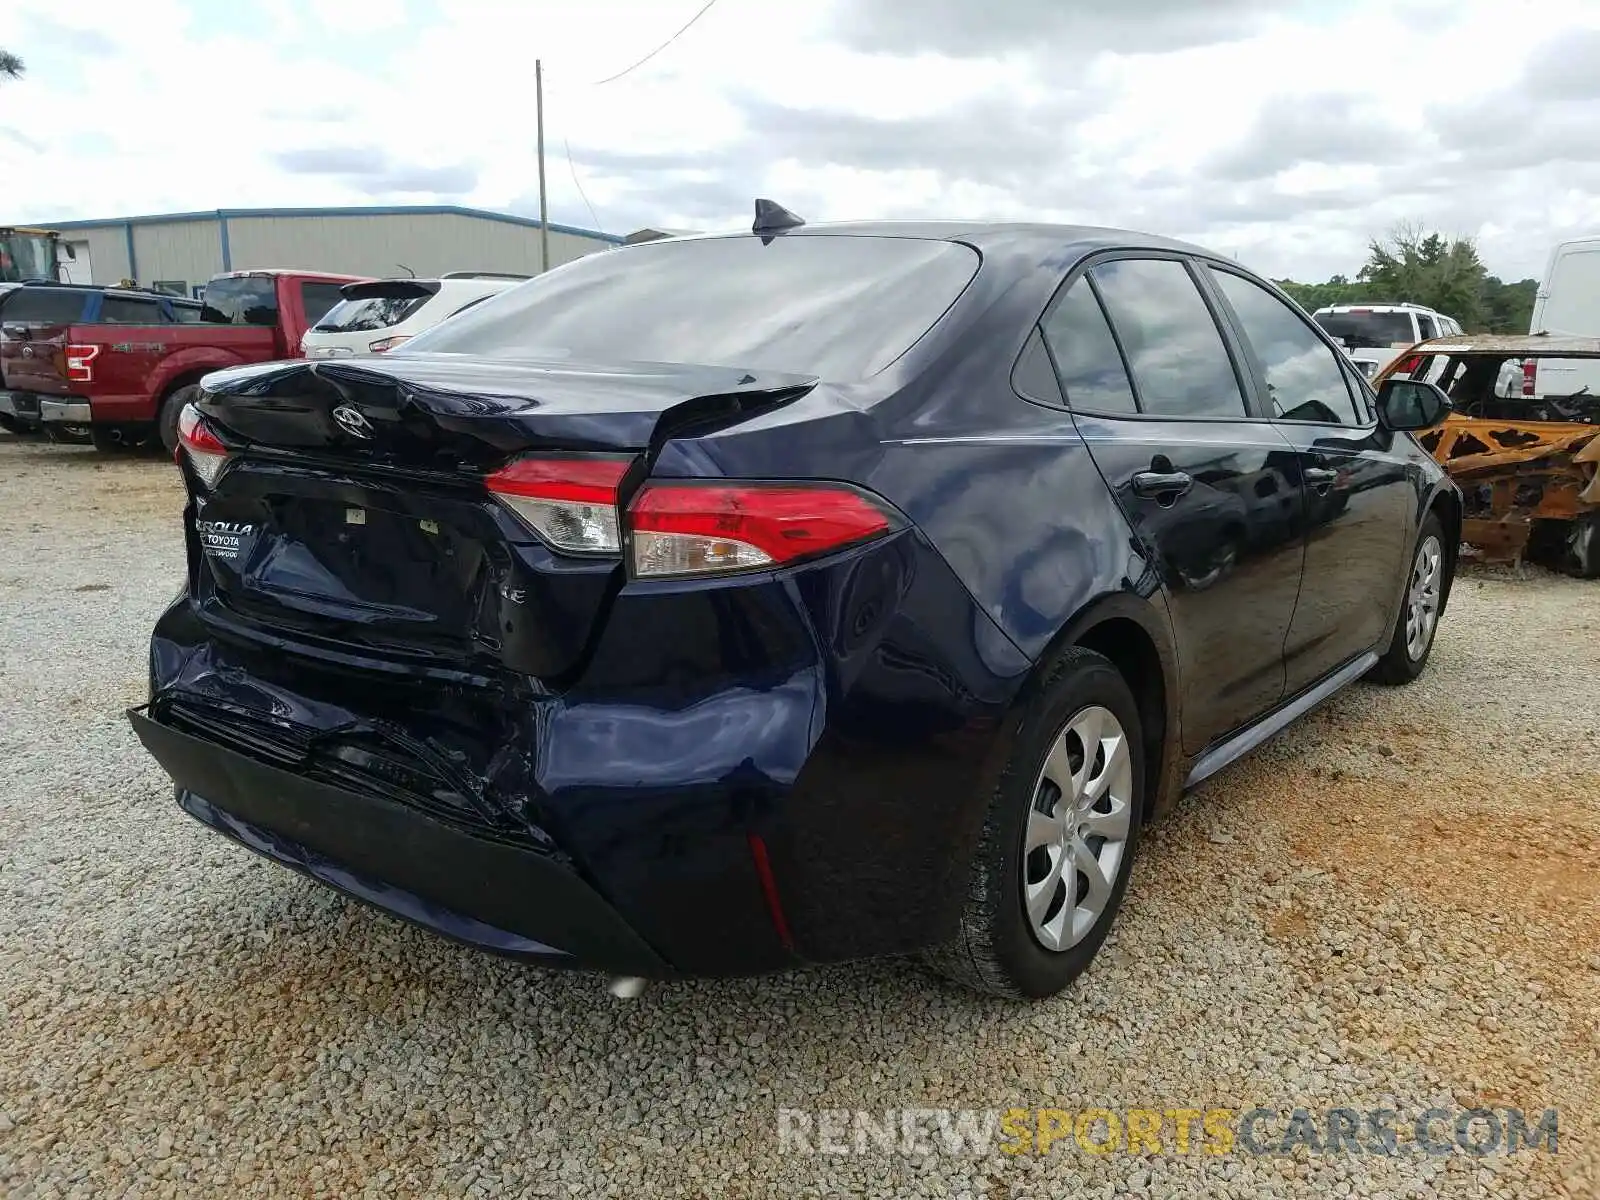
[(178, 252)]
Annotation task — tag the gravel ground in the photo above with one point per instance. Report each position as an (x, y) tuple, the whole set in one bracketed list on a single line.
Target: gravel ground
[(1397, 904)]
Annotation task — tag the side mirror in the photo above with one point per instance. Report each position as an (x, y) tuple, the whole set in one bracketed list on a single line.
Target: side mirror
[(1407, 405)]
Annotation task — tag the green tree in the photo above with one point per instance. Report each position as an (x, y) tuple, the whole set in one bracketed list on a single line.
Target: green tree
[(1425, 268), (1508, 307), (11, 67)]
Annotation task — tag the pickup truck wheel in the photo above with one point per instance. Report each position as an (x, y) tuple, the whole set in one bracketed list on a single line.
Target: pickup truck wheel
[(168, 421)]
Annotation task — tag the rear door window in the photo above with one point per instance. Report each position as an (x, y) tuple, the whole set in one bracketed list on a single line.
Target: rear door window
[(1087, 360), (43, 306), (1304, 376), (1426, 327), (130, 310), (1180, 364)]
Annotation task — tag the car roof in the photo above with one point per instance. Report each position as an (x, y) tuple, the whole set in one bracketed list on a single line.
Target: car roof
[(1524, 345), (974, 233), (1402, 306)]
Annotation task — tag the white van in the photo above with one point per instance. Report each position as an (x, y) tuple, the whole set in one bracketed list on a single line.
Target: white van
[(1567, 305), (379, 314)]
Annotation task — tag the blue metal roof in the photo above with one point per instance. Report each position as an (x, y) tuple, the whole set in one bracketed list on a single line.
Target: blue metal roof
[(417, 210)]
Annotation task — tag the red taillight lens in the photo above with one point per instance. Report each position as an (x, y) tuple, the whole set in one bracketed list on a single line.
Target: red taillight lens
[(207, 454), (388, 343), (80, 363), (700, 528), (571, 503), (1530, 376)]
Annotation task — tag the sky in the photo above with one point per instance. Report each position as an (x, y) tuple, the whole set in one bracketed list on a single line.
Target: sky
[(1288, 133)]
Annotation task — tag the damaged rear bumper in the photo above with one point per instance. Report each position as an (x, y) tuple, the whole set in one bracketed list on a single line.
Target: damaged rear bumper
[(483, 891)]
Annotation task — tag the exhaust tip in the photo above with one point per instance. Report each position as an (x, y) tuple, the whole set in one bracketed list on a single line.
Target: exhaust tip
[(626, 987)]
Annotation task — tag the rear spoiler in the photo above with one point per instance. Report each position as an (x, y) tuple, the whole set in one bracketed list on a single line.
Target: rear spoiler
[(390, 289)]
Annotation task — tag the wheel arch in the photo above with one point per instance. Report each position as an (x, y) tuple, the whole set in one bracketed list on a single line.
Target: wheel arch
[(1135, 634), (1445, 503)]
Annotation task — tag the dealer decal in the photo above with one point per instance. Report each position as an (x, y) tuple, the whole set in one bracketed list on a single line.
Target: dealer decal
[(223, 539)]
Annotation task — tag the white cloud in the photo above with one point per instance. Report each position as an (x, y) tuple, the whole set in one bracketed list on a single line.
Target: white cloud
[(1287, 134)]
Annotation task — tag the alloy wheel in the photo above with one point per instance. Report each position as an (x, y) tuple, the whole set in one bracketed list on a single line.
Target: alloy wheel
[(1422, 600), (1078, 828)]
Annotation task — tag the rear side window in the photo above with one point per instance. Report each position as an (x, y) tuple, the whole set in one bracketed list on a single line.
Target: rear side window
[(364, 316), (835, 306), (1304, 378), (129, 310), (1087, 360), (1179, 361), (318, 298), (43, 306)]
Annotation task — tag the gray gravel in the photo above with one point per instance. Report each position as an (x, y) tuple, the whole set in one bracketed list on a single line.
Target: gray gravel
[(1397, 903)]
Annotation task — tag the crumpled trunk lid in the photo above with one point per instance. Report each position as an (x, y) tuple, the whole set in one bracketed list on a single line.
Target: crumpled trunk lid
[(354, 512)]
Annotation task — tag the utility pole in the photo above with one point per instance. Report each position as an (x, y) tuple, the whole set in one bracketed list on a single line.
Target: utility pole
[(544, 212)]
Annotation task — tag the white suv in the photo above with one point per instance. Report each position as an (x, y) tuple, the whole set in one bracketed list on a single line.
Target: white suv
[(1374, 334), (381, 313)]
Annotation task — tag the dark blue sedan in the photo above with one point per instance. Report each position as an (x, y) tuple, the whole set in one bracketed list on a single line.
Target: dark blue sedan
[(725, 604)]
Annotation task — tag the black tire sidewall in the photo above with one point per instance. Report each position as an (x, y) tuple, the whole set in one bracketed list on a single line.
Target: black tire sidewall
[(167, 420), (1034, 970)]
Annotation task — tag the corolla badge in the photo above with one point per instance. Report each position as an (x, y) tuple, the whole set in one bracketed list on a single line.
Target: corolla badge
[(353, 422)]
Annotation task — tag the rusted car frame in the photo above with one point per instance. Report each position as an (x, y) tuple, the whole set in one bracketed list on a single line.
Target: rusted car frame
[(1528, 466)]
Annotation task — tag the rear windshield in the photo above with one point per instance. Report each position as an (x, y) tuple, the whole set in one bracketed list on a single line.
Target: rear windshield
[(364, 316), (243, 300), (828, 305), (1368, 328), (42, 306)]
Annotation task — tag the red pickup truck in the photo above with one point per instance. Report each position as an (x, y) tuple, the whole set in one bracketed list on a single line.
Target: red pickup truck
[(127, 382)]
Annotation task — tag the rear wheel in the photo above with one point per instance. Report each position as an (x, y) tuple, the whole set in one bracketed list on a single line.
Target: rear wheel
[(167, 423), (1412, 643), (1057, 846)]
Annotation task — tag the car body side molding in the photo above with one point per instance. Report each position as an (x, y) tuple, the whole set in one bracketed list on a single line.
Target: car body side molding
[(1247, 739)]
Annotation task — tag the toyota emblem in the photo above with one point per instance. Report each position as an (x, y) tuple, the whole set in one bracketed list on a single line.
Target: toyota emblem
[(352, 422)]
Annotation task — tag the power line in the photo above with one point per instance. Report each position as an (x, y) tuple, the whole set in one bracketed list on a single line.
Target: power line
[(577, 183), (704, 9)]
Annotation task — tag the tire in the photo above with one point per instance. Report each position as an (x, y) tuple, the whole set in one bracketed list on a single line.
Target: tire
[(112, 439), (167, 421), (1001, 949), (1581, 551), (1407, 656)]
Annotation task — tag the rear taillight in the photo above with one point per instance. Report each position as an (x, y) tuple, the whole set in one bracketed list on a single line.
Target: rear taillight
[(388, 343), (694, 528), (1530, 376), (207, 454), (80, 363), (571, 503)]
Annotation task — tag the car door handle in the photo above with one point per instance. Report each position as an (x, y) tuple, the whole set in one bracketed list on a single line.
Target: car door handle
[(1162, 483), (1320, 478)]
